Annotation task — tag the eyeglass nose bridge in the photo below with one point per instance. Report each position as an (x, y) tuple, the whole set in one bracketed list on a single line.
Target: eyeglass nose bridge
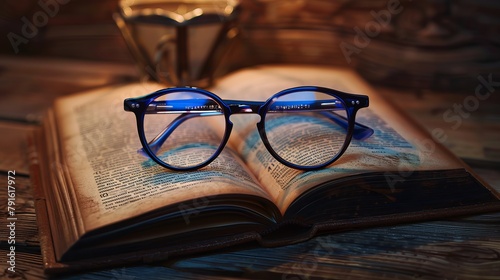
[(244, 107)]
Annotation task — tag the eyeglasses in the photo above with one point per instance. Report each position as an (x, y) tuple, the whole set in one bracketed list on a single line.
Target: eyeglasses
[(305, 127)]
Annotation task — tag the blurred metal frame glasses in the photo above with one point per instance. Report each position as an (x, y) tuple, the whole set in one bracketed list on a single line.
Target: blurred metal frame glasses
[(305, 127)]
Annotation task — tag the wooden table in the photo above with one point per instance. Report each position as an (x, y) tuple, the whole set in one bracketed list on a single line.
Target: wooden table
[(460, 248)]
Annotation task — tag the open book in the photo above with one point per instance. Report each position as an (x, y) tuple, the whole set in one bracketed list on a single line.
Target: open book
[(100, 203)]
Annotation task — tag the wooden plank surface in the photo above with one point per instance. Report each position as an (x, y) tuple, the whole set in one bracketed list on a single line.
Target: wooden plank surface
[(469, 126), (28, 86), (13, 143), (460, 248)]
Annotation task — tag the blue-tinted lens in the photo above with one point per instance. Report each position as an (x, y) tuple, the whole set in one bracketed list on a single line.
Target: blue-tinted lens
[(184, 129), (306, 128)]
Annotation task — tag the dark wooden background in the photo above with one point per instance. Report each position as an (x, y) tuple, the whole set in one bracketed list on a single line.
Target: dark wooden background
[(436, 44), (427, 59)]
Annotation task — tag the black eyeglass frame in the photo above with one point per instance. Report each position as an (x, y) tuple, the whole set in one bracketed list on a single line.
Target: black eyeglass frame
[(351, 103)]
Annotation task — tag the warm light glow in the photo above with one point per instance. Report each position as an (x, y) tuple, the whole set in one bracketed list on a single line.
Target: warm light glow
[(197, 12), (127, 11)]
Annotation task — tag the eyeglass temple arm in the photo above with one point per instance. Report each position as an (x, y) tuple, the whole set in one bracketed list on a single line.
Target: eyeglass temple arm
[(158, 141), (361, 132)]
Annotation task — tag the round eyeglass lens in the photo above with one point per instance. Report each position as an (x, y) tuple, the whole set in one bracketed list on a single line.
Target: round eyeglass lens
[(306, 128), (184, 129)]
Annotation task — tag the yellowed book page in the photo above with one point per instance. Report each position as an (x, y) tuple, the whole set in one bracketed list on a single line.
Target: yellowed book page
[(397, 144), (111, 181)]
